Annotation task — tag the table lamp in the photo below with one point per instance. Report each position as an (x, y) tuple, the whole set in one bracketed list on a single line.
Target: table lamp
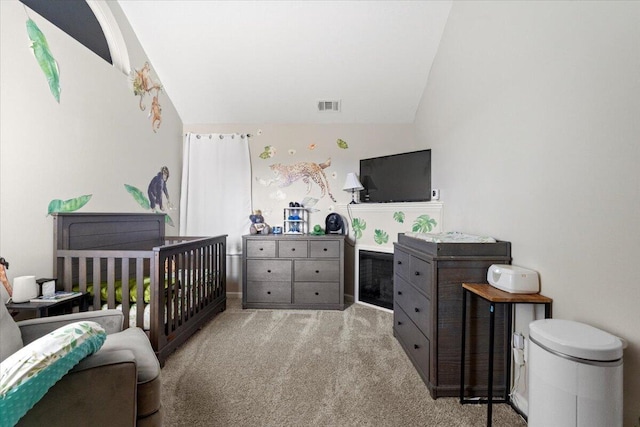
[(352, 184)]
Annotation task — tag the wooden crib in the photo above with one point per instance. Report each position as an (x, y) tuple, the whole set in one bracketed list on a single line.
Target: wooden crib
[(170, 286)]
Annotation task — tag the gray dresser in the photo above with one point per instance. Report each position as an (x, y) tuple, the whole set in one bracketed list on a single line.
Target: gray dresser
[(293, 271), (427, 312)]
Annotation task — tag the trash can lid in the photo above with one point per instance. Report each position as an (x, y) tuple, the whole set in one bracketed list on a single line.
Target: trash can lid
[(576, 339)]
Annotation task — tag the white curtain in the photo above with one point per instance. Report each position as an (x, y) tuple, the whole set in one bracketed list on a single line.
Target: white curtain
[(216, 187)]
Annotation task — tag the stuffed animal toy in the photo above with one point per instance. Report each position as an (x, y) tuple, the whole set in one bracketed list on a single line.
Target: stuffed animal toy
[(317, 230), (257, 224)]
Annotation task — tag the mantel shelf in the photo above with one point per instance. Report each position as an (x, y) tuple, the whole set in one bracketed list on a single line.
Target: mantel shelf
[(378, 207)]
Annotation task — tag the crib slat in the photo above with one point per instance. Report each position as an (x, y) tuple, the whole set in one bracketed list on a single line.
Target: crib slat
[(82, 274), (125, 291), (96, 282), (140, 292), (111, 286), (67, 276)]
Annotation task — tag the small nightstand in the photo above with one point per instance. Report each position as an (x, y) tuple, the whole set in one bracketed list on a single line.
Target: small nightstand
[(46, 309), (495, 297)]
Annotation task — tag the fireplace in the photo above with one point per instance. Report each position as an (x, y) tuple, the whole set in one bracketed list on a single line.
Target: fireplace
[(375, 278)]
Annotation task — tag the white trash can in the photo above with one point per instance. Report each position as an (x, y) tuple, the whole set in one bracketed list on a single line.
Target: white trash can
[(575, 375)]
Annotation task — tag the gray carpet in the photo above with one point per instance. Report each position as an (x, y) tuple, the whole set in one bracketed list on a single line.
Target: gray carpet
[(305, 368)]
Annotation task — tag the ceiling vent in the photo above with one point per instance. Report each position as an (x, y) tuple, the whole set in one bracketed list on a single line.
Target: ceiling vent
[(325, 106)]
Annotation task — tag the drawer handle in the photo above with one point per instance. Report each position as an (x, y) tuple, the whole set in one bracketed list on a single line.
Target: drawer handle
[(268, 292), (317, 293), (417, 310), (325, 249), (416, 346), (317, 271), (268, 271), (293, 249), (417, 273), (399, 262), (399, 323), (262, 249), (399, 292)]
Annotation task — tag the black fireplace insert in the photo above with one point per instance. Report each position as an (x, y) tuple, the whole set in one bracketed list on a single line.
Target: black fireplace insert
[(376, 278)]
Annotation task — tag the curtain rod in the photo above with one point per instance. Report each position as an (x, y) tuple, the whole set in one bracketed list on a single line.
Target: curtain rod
[(221, 136)]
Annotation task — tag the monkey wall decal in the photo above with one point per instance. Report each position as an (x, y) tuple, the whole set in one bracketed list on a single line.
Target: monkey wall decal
[(155, 114), (143, 85), (157, 187)]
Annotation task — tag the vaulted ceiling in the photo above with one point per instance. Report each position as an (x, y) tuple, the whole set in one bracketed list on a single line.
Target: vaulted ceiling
[(273, 61)]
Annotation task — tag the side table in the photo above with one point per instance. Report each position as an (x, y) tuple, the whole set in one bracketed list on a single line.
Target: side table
[(46, 309), (495, 296)]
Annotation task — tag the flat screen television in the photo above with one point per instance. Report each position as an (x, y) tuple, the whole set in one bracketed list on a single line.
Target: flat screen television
[(404, 177)]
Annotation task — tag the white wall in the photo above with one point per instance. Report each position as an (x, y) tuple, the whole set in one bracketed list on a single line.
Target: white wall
[(532, 112), (95, 141)]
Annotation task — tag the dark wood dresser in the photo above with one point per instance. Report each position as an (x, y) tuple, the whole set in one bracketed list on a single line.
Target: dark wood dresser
[(293, 271), (427, 297)]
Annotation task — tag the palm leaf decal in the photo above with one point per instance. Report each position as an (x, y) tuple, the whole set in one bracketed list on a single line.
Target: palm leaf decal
[(138, 196), (342, 144), (423, 224), (45, 58), (380, 237), (358, 226), (70, 205), (399, 217)]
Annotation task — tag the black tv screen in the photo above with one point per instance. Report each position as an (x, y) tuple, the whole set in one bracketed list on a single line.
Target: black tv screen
[(404, 177)]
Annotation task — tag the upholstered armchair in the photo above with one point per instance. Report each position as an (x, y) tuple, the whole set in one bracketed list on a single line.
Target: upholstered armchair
[(117, 385)]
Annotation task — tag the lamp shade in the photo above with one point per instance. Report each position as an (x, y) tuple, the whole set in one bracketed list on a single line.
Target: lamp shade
[(352, 183)]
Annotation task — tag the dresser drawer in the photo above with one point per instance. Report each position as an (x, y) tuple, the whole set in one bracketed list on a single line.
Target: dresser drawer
[(269, 270), (269, 292), (401, 264), (421, 274), (260, 248), (316, 271), (324, 249), (414, 304), (316, 293), (415, 344), (292, 249)]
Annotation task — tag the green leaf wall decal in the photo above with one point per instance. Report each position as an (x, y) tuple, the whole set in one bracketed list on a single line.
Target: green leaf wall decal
[(139, 196), (399, 217), (45, 58), (268, 152), (423, 224), (70, 205), (380, 237), (358, 225)]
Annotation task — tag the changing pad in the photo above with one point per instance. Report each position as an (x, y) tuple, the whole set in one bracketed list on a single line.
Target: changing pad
[(451, 237)]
